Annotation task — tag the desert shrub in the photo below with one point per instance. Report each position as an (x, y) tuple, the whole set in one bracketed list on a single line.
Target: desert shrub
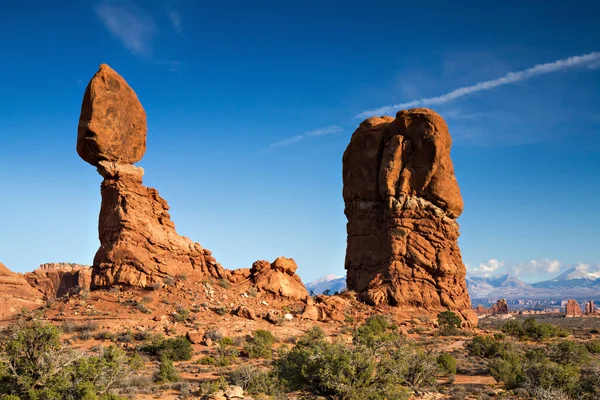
[(569, 352), (166, 370), (210, 387), (104, 335), (449, 319), (593, 346), (224, 283), (68, 326), (447, 363), (485, 346), (182, 314), (225, 356), (226, 341), (589, 381), (508, 368), (125, 336), (337, 371), (376, 331), (221, 310), (542, 332), (255, 381), (177, 349), (142, 335), (35, 365), (143, 309), (548, 374), (422, 369), (136, 362), (513, 328), (214, 334), (540, 393), (261, 344)]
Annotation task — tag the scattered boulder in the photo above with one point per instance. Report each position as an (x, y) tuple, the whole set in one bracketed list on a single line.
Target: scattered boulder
[(138, 242), (278, 278), (245, 312), (195, 337), (16, 294), (402, 200), (572, 309), (58, 279), (273, 317), (312, 313)]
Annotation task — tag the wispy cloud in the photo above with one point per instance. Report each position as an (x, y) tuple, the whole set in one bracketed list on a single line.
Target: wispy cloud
[(487, 268), (131, 25), (317, 132), (590, 59), (175, 19)]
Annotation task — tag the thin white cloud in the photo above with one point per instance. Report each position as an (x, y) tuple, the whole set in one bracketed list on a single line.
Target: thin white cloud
[(325, 131), (175, 19), (537, 267), (590, 59), (132, 26), (317, 132), (286, 142)]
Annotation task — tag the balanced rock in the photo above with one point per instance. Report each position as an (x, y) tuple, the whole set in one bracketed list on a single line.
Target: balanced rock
[(58, 279), (112, 125), (402, 200), (572, 309), (16, 294), (138, 242), (278, 278)]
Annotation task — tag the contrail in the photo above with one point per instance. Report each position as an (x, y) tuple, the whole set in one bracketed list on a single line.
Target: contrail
[(511, 77)]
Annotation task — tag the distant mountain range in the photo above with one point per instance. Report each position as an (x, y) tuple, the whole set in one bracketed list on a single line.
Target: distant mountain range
[(574, 283)]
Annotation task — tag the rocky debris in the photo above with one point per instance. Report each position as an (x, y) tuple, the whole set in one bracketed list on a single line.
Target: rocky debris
[(590, 308), (16, 294), (501, 307), (274, 317), (326, 308), (572, 309), (231, 393), (58, 279), (138, 242), (278, 278), (112, 125), (195, 337), (245, 312), (402, 200)]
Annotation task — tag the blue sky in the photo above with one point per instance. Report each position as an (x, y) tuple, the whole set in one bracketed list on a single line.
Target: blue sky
[(251, 105)]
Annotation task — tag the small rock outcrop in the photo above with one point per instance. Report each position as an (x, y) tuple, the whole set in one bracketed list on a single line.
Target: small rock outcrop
[(572, 309), (402, 200), (501, 307), (16, 294), (278, 278), (138, 242), (54, 280)]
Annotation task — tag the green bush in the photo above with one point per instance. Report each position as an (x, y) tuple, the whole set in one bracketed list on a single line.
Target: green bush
[(261, 344), (166, 370), (569, 352), (447, 363), (486, 346), (589, 381), (338, 371), (377, 330), (449, 319), (35, 365), (177, 349), (513, 328), (255, 381), (593, 346), (548, 374), (508, 368)]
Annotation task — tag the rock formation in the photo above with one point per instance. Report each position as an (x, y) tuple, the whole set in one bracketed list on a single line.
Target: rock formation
[(501, 307), (590, 308), (572, 309), (402, 201), (16, 294), (278, 278), (138, 242), (54, 280)]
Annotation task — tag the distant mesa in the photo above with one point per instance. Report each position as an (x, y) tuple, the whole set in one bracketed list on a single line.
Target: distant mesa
[(402, 200), (572, 309)]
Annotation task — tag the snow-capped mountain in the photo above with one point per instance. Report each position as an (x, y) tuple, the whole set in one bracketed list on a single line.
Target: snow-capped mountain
[(333, 283), (574, 277)]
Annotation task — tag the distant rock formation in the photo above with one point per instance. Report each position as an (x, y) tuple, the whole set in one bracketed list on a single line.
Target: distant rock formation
[(138, 242), (590, 309), (501, 307), (55, 280), (278, 278), (16, 294), (402, 201), (572, 309)]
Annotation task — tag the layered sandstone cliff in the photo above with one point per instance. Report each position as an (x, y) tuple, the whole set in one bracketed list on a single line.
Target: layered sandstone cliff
[(402, 200), (16, 294), (55, 280)]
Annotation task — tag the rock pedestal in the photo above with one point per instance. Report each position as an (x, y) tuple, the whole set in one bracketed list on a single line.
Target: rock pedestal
[(501, 307), (402, 201)]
